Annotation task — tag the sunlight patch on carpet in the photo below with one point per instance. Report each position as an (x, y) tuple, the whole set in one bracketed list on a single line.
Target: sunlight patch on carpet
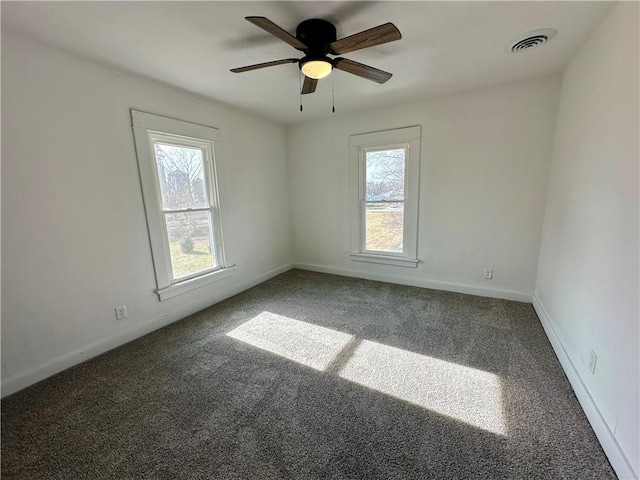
[(456, 391), (467, 394), (301, 342)]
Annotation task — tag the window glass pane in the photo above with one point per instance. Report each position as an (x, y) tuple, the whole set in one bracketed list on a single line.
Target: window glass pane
[(385, 175), (384, 226), (190, 242), (181, 176)]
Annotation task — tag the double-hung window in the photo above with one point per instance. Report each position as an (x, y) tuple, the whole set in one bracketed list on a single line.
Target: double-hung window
[(384, 193), (177, 164)]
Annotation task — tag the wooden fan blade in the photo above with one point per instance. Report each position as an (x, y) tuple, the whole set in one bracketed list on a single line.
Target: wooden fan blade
[(309, 85), (374, 36), (264, 65), (364, 71), (270, 27)]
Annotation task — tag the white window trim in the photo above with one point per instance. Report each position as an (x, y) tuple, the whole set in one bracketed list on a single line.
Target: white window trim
[(147, 128), (408, 137), (184, 286)]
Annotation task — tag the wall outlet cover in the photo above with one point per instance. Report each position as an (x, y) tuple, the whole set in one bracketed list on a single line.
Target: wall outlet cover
[(121, 312)]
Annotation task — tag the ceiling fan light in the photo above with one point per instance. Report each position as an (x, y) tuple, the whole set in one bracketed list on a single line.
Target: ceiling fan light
[(317, 68)]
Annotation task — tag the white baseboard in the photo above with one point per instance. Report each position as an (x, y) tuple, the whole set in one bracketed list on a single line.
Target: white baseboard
[(610, 445), (420, 282), (57, 365)]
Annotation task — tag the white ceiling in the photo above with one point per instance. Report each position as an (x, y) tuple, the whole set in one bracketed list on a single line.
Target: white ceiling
[(446, 46)]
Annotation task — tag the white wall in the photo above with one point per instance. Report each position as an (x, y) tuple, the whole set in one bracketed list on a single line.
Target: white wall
[(484, 170), (74, 238), (587, 287)]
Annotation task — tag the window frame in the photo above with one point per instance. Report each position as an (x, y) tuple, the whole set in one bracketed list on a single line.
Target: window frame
[(359, 145), (362, 197), (149, 129), (212, 207)]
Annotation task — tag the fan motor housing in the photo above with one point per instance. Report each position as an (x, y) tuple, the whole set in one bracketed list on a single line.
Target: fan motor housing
[(316, 34)]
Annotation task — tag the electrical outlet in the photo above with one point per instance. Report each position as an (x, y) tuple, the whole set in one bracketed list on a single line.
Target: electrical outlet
[(593, 358), (121, 312), (488, 273)]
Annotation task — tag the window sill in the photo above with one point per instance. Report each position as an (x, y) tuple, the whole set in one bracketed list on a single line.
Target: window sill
[(385, 260), (197, 282)]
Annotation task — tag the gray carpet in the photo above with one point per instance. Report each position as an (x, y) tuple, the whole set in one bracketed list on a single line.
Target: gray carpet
[(313, 376)]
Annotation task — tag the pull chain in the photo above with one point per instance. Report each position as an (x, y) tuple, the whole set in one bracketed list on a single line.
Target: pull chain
[(333, 94), (300, 88)]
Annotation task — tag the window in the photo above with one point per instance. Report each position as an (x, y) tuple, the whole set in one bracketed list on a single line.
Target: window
[(176, 161), (384, 196)]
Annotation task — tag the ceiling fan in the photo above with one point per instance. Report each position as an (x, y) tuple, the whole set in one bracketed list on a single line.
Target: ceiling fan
[(317, 39)]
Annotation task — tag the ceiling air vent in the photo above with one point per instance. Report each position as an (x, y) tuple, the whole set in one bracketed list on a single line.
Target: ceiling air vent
[(531, 40)]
